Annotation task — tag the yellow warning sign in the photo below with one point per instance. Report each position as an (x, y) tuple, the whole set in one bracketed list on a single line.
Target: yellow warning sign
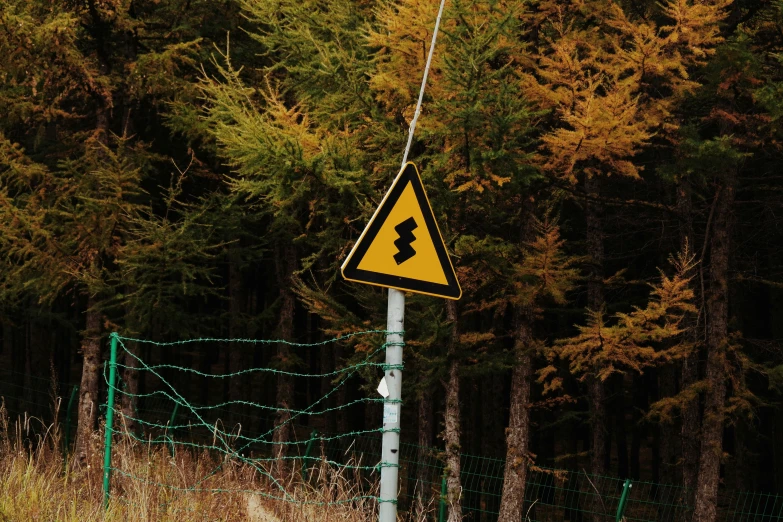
[(402, 247)]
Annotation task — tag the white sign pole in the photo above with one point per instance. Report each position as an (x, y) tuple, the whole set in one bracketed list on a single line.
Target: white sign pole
[(390, 452), (395, 319)]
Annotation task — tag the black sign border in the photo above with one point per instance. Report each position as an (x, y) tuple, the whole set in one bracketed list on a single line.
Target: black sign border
[(351, 270)]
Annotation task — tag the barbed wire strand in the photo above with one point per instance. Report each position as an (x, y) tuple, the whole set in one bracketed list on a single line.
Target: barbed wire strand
[(223, 441)]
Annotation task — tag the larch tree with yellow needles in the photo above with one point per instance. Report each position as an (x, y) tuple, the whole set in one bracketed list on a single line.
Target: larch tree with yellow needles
[(611, 77)]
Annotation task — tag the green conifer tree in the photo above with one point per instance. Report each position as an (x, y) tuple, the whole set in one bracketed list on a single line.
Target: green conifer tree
[(80, 82)]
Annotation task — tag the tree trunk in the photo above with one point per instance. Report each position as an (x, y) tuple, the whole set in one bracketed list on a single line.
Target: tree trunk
[(596, 393), (128, 376), (596, 390), (8, 362), (452, 421), (424, 475), (342, 393), (717, 339), (286, 264), (205, 366), (88, 391), (640, 404), (19, 363), (667, 388), (6, 358), (518, 432), (254, 382), (689, 373), (235, 354), (27, 390), (91, 347), (620, 429), (328, 365), (130, 380)]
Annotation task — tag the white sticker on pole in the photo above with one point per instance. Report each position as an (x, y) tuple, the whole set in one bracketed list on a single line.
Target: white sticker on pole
[(383, 389), (391, 413)]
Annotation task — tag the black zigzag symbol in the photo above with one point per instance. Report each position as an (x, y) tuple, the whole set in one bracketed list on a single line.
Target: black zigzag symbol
[(403, 244)]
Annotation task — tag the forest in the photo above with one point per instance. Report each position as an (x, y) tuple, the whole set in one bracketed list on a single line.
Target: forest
[(607, 177)]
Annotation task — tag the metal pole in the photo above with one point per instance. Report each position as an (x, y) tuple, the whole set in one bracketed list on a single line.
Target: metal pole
[(623, 501), (395, 319), (173, 414), (109, 419), (166, 436), (306, 457), (390, 452), (443, 493)]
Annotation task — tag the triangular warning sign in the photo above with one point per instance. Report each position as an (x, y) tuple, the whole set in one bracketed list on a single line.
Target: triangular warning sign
[(402, 247)]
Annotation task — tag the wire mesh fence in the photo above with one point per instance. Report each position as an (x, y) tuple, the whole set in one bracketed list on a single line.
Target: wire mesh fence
[(270, 453), (751, 507), (550, 494)]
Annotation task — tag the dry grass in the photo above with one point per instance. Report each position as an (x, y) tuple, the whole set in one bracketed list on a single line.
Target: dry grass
[(38, 484)]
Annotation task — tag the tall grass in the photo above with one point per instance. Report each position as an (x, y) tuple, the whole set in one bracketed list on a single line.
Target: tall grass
[(38, 483)]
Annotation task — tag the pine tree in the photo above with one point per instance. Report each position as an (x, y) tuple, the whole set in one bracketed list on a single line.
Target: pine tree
[(715, 158), (611, 82), (74, 164), (545, 273), (629, 341), (290, 135)]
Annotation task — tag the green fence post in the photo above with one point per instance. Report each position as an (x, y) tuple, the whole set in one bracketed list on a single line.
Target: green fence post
[(443, 492), (166, 436), (68, 419), (109, 419), (306, 457), (623, 501), (173, 414)]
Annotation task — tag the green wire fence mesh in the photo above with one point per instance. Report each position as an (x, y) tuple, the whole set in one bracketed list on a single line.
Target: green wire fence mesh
[(163, 416), (263, 452), (554, 495)]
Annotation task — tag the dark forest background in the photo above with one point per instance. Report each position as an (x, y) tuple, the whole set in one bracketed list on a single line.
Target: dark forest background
[(608, 177)]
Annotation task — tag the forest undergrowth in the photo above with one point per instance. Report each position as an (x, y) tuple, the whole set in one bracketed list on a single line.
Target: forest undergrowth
[(38, 482)]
